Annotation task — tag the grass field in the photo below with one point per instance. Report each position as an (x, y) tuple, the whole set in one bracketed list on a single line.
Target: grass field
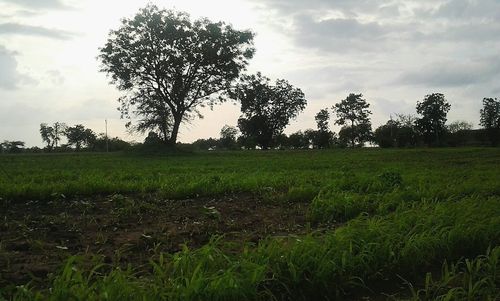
[(364, 224)]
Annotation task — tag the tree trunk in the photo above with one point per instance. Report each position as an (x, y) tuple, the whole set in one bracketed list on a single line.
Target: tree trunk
[(352, 133), (175, 130)]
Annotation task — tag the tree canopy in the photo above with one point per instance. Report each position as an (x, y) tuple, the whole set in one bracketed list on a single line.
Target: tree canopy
[(352, 113), (266, 108), (490, 119), (170, 66), (79, 136), (433, 110)]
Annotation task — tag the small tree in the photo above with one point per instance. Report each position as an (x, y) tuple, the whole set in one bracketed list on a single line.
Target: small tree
[(266, 108), (323, 137), (51, 135), (322, 120), (228, 135), (171, 66), (59, 131), (431, 125), (490, 119), (352, 113), (47, 133)]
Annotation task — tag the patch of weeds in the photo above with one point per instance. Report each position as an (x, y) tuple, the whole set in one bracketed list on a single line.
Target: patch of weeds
[(467, 279), (390, 179)]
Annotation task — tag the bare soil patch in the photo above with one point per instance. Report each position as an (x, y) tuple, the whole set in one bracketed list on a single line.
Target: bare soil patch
[(36, 237)]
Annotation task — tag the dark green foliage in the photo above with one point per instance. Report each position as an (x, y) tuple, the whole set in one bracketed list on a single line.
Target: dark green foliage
[(51, 135), (323, 137), (228, 135), (490, 119), (12, 147), (170, 66), (353, 114), (355, 136), (322, 118), (79, 136), (102, 144), (266, 109), (299, 140), (395, 133), (391, 179), (431, 125)]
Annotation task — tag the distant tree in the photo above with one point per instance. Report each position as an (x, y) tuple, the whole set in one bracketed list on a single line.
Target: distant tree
[(298, 140), (459, 125), (281, 141), (79, 136), (385, 135), (12, 147), (490, 119), (322, 120), (51, 135), (103, 143), (170, 66), (323, 137), (433, 110), (266, 108), (228, 135), (361, 132), (47, 133), (460, 133), (399, 132), (59, 128), (352, 113), (206, 144)]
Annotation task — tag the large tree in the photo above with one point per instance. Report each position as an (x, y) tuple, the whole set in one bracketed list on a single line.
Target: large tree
[(433, 110), (353, 114), (169, 66), (490, 119), (266, 108)]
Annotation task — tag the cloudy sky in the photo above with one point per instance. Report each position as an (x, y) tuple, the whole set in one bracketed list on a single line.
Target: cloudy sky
[(394, 52)]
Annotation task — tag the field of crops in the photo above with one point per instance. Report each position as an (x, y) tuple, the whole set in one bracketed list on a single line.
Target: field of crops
[(363, 224)]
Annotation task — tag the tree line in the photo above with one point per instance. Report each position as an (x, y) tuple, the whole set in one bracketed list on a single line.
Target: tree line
[(427, 128), (78, 138), (262, 127)]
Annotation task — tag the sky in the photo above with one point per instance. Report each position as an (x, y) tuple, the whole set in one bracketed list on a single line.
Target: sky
[(394, 52)]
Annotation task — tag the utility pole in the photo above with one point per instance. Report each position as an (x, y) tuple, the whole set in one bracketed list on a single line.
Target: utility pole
[(107, 145)]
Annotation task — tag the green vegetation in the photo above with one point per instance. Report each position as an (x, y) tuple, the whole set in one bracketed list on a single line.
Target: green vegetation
[(419, 224)]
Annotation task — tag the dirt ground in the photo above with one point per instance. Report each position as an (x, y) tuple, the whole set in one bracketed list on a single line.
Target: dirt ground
[(36, 237)]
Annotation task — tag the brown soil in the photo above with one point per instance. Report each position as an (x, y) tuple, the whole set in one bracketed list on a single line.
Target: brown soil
[(37, 237)]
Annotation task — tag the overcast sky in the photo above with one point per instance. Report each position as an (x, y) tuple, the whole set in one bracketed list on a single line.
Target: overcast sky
[(394, 52)]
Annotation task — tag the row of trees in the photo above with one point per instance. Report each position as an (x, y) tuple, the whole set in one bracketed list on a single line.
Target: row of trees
[(78, 137), (262, 126), (352, 114)]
